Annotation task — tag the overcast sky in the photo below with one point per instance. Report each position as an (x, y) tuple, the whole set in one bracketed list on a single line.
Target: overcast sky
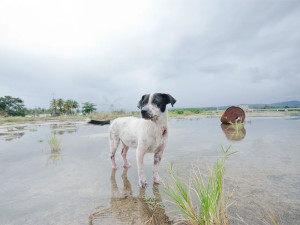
[(203, 53)]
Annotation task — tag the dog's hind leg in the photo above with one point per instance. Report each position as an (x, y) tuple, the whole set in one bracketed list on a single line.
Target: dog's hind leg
[(124, 153), (157, 159), (114, 144)]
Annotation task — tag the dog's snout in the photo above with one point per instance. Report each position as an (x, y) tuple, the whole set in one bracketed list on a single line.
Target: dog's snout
[(145, 114)]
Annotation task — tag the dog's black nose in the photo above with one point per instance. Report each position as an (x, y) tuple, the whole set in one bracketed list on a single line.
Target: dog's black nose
[(145, 114)]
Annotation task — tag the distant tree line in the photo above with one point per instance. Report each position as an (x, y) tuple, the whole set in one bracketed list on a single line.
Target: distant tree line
[(271, 107), (37, 111), (10, 106), (68, 107)]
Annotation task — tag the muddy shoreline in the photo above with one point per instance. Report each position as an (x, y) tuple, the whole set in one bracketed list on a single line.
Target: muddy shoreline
[(82, 120)]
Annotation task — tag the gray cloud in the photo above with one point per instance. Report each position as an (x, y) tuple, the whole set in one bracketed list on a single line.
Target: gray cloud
[(204, 53)]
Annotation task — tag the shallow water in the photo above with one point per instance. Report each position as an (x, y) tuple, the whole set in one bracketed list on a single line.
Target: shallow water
[(76, 185)]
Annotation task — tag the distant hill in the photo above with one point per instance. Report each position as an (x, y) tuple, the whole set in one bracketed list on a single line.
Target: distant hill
[(290, 104)]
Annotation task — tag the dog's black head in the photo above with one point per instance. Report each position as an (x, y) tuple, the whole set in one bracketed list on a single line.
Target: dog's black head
[(152, 106)]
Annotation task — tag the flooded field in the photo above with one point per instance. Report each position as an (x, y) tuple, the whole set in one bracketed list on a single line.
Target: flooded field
[(76, 184)]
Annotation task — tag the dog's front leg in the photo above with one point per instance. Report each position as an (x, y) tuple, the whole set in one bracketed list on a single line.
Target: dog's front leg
[(157, 159), (140, 153)]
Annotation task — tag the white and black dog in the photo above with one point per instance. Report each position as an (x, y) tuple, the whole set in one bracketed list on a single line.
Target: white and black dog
[(148, 134)]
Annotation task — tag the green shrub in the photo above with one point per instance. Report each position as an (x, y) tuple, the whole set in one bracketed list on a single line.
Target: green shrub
[(179, 111), (196, 111), (199, 202)]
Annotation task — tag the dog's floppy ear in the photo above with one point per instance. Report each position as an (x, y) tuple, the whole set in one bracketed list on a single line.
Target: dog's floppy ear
[(141, 101), (169, 99)]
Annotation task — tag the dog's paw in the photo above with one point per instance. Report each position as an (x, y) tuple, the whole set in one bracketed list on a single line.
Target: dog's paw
[(157, 181), (115, 167), (142, 183), (128, 165)]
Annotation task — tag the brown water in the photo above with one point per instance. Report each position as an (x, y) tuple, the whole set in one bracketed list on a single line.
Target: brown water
[(77, 186)]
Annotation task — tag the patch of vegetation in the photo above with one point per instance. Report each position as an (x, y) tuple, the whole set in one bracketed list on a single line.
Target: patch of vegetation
[(60, 106), (292, 113), (196, 110), (178, 111), (199, 202), (150, 201), (37, 111), (88, 108), (71, 118), (20, 120), (10, 106), (54, 143), (189, 111), (237, 126)]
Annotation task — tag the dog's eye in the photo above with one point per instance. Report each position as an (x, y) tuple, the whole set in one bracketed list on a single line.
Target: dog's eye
[(157, 103)]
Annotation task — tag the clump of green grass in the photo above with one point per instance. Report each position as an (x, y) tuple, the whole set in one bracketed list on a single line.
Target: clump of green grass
[(237, 126), (178, 111), (54, 143), (199, 202), (152, 202)]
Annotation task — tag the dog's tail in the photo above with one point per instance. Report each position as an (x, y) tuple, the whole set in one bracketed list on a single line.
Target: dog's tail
[(98, 122)]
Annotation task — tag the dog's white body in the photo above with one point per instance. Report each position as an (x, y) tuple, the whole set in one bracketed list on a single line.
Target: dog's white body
[(146, 135), (133, 131)]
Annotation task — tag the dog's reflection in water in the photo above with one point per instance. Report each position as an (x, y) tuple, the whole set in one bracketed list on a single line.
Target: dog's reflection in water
[(127, 209)]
